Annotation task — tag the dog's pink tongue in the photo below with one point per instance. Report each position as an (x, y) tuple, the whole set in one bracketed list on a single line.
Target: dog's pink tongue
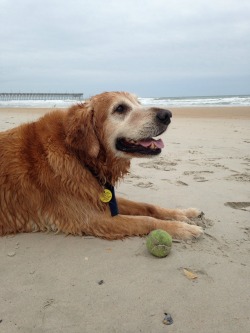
[(146, 143)]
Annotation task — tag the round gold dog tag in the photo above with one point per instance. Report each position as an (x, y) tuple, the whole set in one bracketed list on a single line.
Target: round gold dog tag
[(106, 196)]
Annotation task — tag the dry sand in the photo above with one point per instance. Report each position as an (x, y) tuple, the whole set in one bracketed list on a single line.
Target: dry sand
[(51, 283)]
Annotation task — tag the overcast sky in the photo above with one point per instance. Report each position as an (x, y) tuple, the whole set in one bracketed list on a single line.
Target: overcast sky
[(150, 47)]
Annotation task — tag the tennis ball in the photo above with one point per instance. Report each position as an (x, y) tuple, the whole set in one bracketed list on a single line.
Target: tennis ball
[(159, 243)]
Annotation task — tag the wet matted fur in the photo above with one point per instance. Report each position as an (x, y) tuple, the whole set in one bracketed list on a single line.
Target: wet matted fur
[(53, 171)]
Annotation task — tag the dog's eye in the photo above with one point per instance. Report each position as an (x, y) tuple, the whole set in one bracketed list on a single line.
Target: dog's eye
[(121, 108)]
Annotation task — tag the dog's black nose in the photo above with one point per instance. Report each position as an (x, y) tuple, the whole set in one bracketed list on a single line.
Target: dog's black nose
[(164, 116)]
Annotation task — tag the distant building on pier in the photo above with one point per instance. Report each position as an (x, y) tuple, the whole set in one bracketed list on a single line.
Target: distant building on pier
[(40, 96)]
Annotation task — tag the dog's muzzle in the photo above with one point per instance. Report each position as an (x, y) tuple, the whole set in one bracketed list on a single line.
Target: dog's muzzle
[(147, 145)]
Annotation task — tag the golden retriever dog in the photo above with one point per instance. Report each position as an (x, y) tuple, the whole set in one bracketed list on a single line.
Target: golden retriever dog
[(58, 173)]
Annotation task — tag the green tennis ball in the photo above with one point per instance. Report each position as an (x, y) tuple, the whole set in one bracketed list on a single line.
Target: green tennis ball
[(159, 243)]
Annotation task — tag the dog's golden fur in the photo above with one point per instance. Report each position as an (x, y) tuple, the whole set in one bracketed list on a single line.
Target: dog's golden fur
[(52, 173)]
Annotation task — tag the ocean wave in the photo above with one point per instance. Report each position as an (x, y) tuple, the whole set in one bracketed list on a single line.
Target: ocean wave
[(198, 101), (151, 101), (37, 103)]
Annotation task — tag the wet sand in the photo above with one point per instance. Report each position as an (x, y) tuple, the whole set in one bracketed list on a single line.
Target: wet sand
[(51, 283)]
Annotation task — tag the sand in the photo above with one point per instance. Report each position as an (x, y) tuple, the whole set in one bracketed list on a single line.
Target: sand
[(52, 283)]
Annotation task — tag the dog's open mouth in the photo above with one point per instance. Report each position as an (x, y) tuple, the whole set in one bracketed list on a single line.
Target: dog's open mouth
[(148, 146)]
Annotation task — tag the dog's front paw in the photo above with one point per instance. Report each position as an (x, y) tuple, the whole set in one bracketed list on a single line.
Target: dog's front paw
[(185, 215), (187, 231), (192, 213)]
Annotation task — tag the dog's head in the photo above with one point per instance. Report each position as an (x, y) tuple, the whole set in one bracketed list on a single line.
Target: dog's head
[(117, 123)]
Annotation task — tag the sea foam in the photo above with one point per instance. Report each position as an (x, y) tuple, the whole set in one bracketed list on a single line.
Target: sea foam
[(212, 101)]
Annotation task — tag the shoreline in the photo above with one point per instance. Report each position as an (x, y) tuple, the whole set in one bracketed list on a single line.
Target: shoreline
[(230, 112)]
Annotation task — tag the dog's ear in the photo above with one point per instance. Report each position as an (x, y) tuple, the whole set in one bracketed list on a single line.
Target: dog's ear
[(80, 130)]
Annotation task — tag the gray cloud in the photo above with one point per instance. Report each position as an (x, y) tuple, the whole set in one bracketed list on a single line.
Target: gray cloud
[(153, 48)]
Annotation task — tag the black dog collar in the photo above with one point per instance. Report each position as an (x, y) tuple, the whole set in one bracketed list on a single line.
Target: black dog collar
[(108, 196)]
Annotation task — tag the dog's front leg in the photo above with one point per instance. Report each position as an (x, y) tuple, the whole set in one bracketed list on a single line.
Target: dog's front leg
[(128, 207), (120, 226)]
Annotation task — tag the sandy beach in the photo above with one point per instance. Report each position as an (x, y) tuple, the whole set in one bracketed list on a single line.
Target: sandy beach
[(52, 283)]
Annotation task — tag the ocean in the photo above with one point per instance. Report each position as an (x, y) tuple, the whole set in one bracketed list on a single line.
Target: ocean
[(212, 101), (237, 100)]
